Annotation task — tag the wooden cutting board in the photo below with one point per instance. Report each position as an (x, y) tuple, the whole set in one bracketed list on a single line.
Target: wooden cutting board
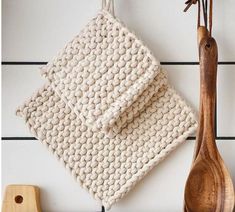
[(21, 198)]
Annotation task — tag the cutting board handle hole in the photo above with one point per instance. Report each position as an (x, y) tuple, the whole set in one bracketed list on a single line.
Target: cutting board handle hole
[(19, 199)]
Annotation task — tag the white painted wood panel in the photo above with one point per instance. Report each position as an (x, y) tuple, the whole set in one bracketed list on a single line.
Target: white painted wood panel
[(29, 162), (35, 30), (20, 82), (226, 101), (161, 190), (186, 80)]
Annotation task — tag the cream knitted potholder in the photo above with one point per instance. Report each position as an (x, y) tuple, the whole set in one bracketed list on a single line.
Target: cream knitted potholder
[(102, 71), (104, 80)]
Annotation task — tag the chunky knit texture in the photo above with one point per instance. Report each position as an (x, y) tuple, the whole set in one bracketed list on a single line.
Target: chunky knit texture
[(109, 168), (102, 71), (107, 112)]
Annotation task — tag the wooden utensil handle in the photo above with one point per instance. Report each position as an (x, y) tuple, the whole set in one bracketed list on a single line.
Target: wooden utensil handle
[(208, 65), (208, 54), (202, 33)]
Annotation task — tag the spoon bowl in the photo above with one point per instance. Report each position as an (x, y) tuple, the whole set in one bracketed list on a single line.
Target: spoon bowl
[(209, 187)]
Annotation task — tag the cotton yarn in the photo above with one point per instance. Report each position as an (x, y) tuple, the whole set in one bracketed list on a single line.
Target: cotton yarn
[(109, 168), (102, 71), (107, 111)]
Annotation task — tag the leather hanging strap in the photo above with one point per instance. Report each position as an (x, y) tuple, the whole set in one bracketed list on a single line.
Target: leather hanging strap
[(210, 17), (204, 11), (189, 4)]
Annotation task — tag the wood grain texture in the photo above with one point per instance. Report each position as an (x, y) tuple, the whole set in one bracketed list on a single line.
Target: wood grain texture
[(202, 33), (209, 186), (21, 198)]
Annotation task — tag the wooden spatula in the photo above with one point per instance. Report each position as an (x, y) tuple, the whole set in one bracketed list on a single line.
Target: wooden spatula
[(21, 198)]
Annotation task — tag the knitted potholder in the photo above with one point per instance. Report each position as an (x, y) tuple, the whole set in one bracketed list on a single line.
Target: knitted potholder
[(107, 79), (102, 71), (109, 167)]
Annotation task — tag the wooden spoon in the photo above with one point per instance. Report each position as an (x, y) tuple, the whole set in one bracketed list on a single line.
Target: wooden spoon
[(202, 33), (209, 186)]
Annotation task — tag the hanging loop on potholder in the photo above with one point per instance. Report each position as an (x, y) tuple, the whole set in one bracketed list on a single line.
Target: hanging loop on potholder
[(108, 5)]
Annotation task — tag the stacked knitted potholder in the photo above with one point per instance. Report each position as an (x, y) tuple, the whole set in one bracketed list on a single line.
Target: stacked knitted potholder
[(107, 111)]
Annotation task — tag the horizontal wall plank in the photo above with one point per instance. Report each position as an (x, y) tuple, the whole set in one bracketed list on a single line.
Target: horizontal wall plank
[(29, 162), (226, 101), (185, 79), (19, 82), (163, 189), (36, 30), (25, 161), (161, 62)]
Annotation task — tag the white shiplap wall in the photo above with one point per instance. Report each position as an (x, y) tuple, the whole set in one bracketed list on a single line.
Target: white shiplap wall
[(35, 31)]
